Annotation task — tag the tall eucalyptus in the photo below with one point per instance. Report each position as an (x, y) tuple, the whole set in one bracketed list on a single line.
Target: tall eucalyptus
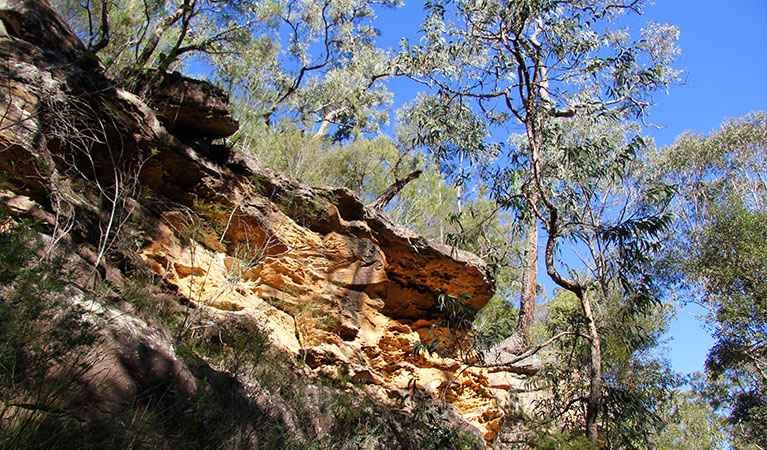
[(132, 36), (315, 64), (716, 256), (534, 66)]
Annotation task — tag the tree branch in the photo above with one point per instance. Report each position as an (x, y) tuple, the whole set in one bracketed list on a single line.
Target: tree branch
[(103, 29), (394, 189), (536, 348)]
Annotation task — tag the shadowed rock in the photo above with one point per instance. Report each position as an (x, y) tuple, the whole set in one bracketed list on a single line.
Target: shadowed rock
[(189, 106), (36, 22)]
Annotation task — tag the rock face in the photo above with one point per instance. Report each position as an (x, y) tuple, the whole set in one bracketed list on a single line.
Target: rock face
[(350, 295), (339, 286)]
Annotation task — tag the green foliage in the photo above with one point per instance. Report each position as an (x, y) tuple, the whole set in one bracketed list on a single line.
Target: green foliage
[(511, 50), (571, 81), (326, 71), (563, 441), (709, 172), (734, 278), (213, 220), (139, 36), (448, 130), (463, 334), (730, 267), (725, 164), (142, 294), (44, 346), (614, 214), (366, 166), (362, 165), (304, 210), (425, 206), (497, 320), (300, 61), (359, 423), (282, 147), (720, 230), (691, 423), (452, 335), (636, 391), (235, 348), (562, 312), (637, 384)]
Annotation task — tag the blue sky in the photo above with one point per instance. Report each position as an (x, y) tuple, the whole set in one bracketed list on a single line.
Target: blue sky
[(724, 58)]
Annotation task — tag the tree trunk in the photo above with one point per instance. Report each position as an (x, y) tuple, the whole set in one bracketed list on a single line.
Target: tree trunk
[(394, 189), (529, 292), (327, 120), (595, 373), (154, 39), (595, 390), (104, 34)]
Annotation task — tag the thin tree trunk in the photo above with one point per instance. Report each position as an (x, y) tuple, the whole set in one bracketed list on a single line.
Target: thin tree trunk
[(154, 39), (394, 189), (104, 33), (595, 389), (595, 374), (529, 292)]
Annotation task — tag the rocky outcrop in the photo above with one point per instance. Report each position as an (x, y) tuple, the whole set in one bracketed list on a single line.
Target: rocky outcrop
[(37, 23), (187, 106), (350, 295), (339, 286)]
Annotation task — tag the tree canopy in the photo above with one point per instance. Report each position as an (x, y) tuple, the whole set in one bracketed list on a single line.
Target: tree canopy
[(558, 72), (717, 257)]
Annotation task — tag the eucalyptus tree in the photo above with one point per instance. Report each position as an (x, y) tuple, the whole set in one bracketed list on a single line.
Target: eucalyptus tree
[(315, 64), (130, 36), (727, 165), (638, 384), (311, 61), (448, 134), (716, 257), (613, 213), (692, 423), (532, 66)]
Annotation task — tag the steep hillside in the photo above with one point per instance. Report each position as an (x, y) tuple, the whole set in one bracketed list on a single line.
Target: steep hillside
[(184, 265)]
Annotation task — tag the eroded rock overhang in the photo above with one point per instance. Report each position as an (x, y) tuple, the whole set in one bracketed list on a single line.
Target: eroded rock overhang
[(419, 269)]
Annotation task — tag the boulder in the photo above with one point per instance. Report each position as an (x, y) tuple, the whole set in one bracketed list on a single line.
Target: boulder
[(189, 106)]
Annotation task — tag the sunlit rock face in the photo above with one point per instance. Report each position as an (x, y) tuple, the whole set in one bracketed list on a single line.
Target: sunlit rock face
[(347, 295), (338, 285)]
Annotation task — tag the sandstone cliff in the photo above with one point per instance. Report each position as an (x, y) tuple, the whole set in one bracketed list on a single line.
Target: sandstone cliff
[(134, 182)]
